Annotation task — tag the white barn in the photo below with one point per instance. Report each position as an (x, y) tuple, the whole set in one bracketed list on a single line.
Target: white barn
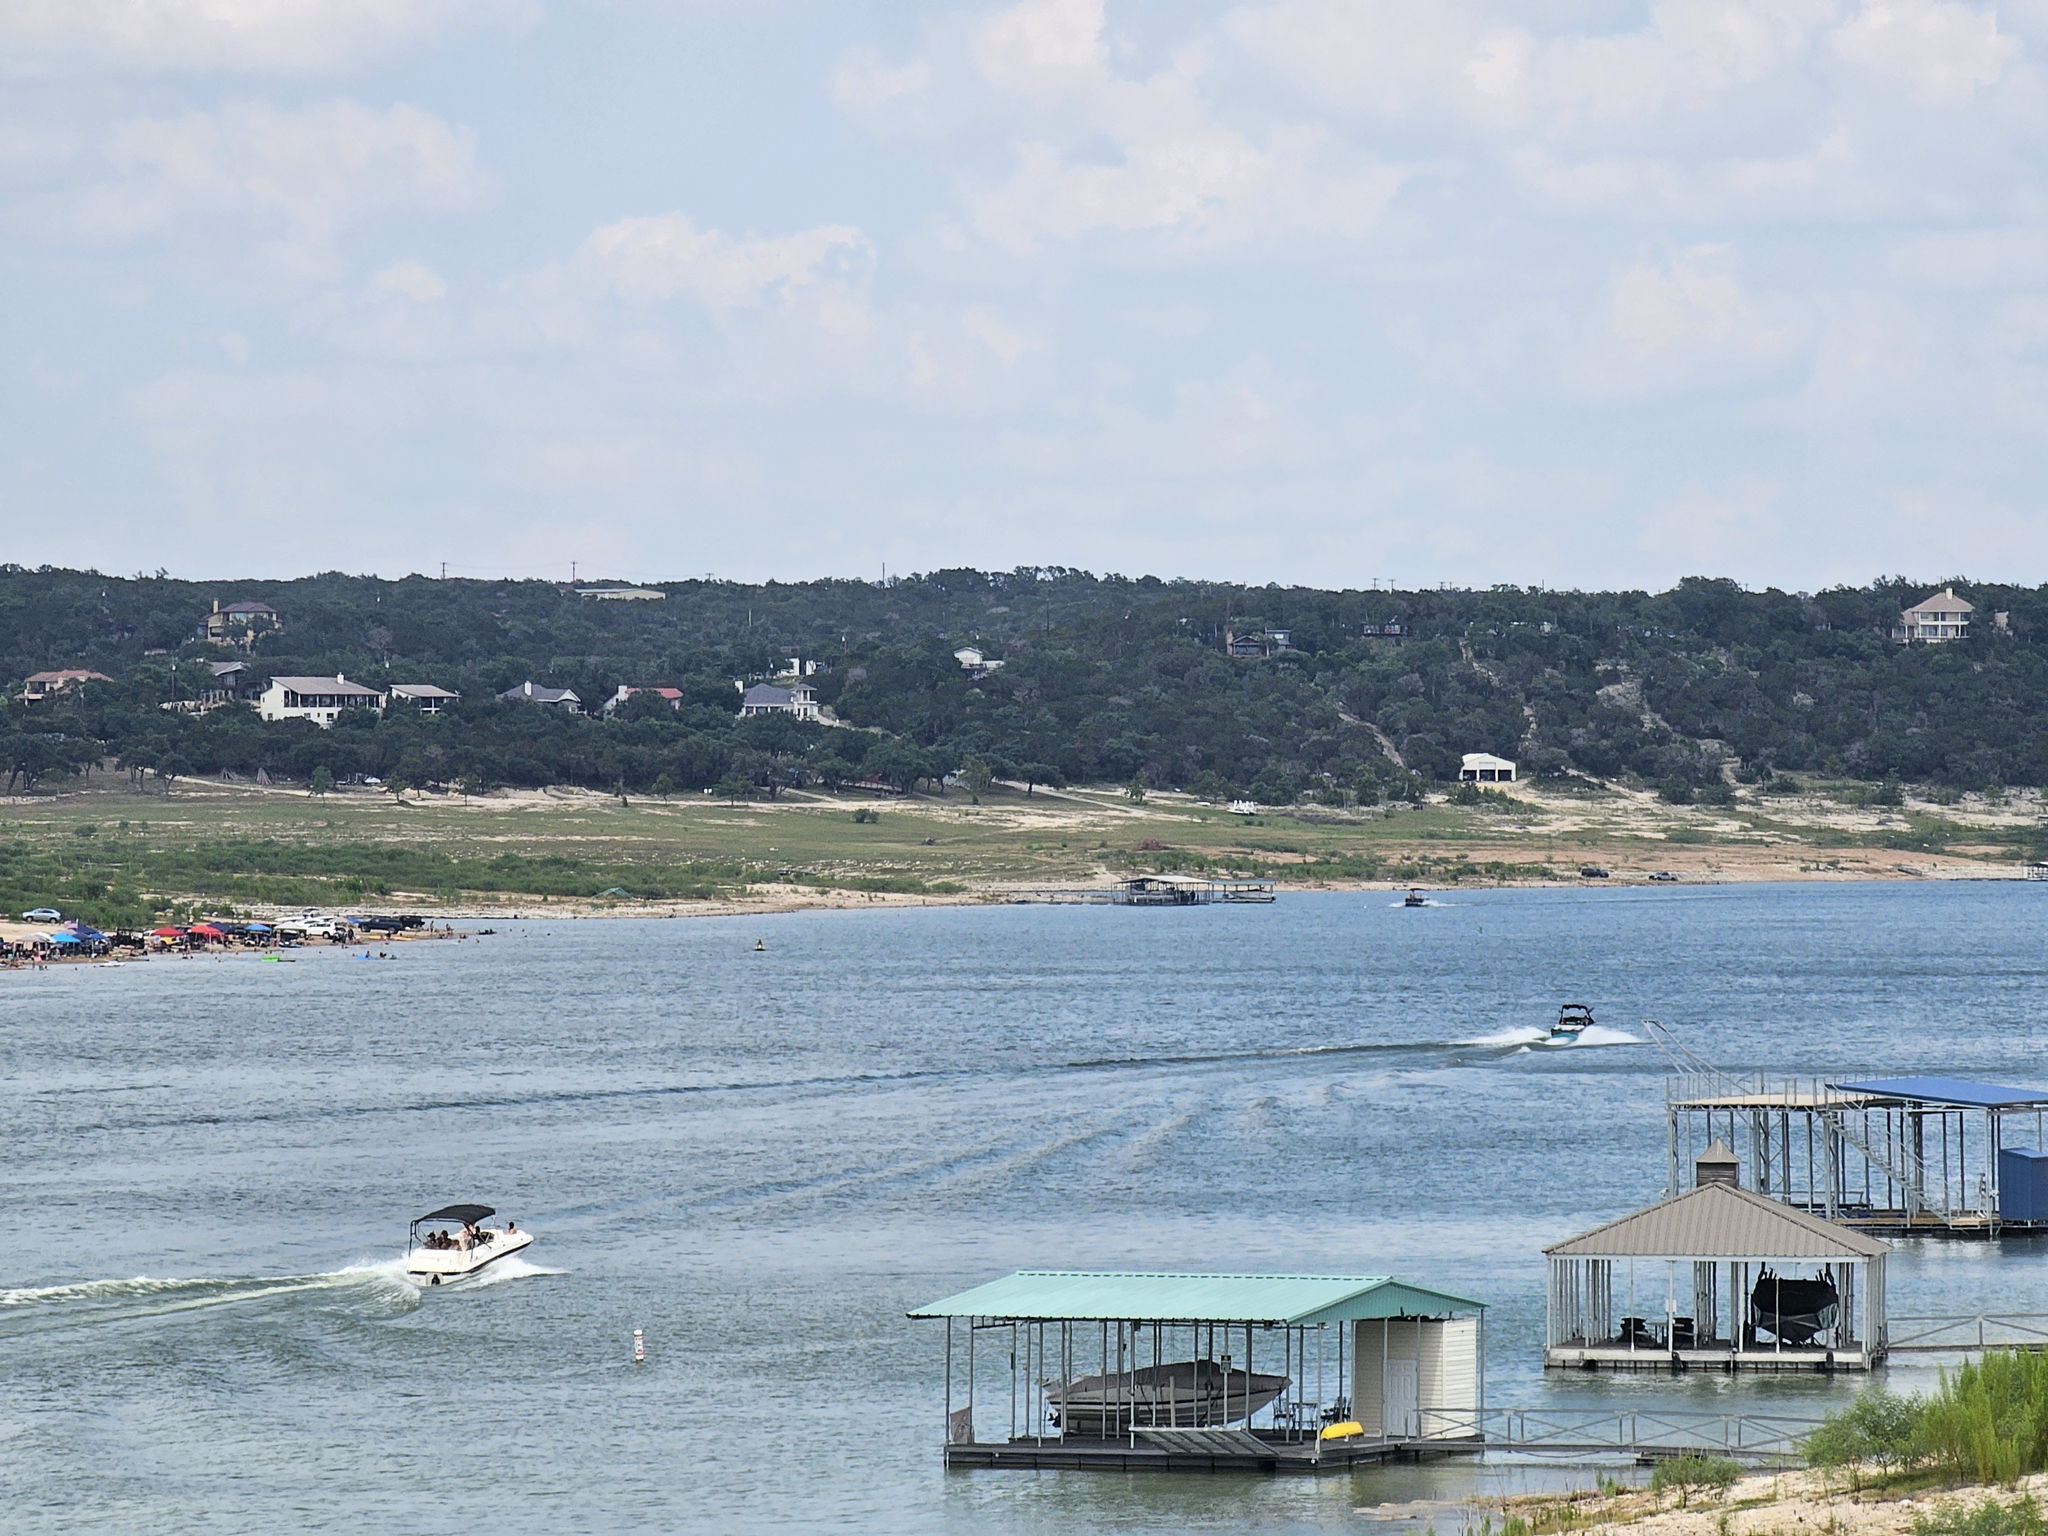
[(1485, 768)]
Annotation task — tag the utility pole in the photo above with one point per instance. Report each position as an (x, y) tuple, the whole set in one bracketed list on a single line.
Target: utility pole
[(572, 573), (444, 570)]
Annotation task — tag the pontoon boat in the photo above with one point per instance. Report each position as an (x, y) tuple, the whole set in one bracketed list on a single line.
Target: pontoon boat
[(440, 1255), (1189, 1394)]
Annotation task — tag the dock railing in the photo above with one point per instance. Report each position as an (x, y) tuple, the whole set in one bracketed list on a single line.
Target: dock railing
[(1968, 1332), (1627, 1431)]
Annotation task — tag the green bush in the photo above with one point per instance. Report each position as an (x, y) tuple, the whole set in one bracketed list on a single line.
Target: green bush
[(1989, 1422), (1689, 1474), (1880, 1429), (2020, 1517)]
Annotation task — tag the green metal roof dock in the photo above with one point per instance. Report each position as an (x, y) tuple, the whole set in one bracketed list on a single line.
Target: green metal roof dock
[(1170, 1371), (1093, 1295)]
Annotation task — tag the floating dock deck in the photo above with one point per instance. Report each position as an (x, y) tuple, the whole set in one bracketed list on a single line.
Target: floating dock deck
[(1151, 891)]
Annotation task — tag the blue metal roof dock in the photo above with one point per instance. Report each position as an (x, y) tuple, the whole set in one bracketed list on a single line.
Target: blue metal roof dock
[(1956, 1091), (1169, 1371)]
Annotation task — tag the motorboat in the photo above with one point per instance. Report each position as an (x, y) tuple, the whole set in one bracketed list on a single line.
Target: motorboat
[(1415, 899), (438, 1256), (1794, 1311), (1573, 1020), (1188, 1394)]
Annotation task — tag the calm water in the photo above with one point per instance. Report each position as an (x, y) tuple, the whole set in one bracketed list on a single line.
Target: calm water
[(765, 1159)]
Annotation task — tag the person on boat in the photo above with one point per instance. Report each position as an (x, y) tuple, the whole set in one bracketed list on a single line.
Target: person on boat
[(511, 1228)]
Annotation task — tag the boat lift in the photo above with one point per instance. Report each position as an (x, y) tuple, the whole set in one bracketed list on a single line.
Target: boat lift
[(1915, 1155)]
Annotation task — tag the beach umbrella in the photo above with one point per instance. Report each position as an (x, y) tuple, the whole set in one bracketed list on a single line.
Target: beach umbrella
[(166, 933)]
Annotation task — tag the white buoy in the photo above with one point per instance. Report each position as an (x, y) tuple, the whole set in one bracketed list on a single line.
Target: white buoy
[(639, 1346)]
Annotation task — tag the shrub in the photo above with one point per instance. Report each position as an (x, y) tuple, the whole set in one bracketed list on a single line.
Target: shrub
[(2020, 1517), (1705, 1474), (1879, 1429), (1989, 1422), (1676, 792), (867, 815)]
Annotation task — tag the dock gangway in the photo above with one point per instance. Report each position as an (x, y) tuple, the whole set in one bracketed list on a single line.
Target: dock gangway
[(1646, 1434)]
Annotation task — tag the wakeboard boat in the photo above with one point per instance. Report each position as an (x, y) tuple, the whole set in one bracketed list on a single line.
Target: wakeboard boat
[(1415, 899), (1573, 1020), (1188, 1394), (440, 1255)]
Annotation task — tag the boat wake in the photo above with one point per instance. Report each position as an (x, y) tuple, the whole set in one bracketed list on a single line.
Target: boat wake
[(372, 1290), (1530, 1039), (518, 1267)]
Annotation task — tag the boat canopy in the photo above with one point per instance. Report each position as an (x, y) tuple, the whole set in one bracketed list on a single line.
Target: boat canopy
[(463, 1213), (1054, 1295)]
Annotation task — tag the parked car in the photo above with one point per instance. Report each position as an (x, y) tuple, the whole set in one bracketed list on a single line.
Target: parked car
[(1663, 877), (42, 915), (1592, 872)]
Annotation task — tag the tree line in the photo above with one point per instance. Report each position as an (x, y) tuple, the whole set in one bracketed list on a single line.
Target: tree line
[(1105, 679)]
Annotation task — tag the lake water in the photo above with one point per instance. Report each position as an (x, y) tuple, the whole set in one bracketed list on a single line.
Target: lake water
[(764, 1159)]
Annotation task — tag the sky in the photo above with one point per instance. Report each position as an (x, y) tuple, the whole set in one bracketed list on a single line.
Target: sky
[(1576, 293)]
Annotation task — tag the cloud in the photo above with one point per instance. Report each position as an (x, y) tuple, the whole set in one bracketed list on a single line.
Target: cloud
[(50, 37), (299, 178), (668, 256), (413, 280), (1682, 323), (1735, 528), (1940, 52)]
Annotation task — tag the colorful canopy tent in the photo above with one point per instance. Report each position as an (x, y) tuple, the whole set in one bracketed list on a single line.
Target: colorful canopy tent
[(208, 930), (167, 933), (63, 936)]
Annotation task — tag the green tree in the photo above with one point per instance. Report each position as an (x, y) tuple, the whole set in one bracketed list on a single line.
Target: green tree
[(322, 782), (733, 790), (976, 774), (664, 784), (1135, 790)]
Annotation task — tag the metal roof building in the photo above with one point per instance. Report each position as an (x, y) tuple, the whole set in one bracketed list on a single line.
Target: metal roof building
[(1718, 1276), (1131, 1368), (1920, 1153)]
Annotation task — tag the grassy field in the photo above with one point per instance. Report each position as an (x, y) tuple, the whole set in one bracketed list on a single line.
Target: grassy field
[(121, 856)]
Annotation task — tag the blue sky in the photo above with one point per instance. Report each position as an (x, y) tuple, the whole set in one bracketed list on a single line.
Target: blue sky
[(1560, 291)]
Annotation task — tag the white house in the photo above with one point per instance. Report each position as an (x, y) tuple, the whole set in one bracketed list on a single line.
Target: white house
[(318, 699), (622, 594), (534, 693), (1485, 768), (767, 699), (431, 700), (672, 697), (1935, 620), (972, 660)]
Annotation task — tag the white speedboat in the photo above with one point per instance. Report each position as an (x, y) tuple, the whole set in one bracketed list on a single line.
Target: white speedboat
[(462, 1248), (1573, 1020), (1188, 1394)]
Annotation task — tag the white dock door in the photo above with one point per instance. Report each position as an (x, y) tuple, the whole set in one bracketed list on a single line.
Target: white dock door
[(1401, 1408)]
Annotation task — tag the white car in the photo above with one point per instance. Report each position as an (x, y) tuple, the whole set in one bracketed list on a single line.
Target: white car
[(42, 915)]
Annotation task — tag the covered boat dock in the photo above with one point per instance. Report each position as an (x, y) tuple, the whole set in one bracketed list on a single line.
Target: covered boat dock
[(1915, 1155), (1200, 1372), (1717, 1278)]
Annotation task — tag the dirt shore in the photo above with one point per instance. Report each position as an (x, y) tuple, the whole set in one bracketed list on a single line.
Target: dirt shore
[(1767, 1504)]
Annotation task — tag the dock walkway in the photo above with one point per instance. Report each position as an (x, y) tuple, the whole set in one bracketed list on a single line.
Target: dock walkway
[(1595, 1433)]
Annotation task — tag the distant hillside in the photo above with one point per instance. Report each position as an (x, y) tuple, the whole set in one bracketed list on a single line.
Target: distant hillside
[(1103, 679)]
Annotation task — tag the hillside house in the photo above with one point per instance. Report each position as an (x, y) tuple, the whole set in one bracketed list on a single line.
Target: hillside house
[(800, 701), (318, 699), (239, 623), (45, 685), (429, 699), (530, 692), (672, 697), (974, 662), (621, 594), (1935, 620), (1254, 643), (1485, 768)]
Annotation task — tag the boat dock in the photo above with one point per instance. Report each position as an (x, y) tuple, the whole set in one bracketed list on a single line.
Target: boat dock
[(1596, 1434), (1150, 891)]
